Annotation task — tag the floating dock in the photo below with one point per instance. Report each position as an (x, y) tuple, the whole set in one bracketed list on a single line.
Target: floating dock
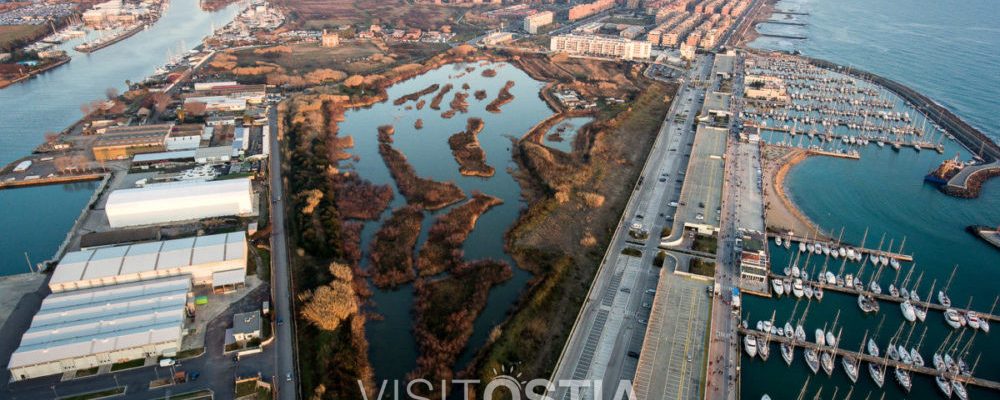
[(971, 380)]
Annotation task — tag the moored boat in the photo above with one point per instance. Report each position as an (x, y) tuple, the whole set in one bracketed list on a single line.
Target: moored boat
[(819, 296), (918, 360), (750, 345), (877, 374), (778, 286), (820, 337), (850, 367), (959, 390), (873, 348), (904, 380), (908, 312), (787, 352), (811, 360), (943, 385), (972, 319), (944, 299), (826, 360), (953, 318), (797, 288)]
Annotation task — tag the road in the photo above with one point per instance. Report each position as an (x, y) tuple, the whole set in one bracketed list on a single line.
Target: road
[(741, 196), (284, 345), (612, 321)]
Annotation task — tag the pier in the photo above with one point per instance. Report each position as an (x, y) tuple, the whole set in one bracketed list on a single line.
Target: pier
[(969, 180), (789, 12), (771, 21), (54, 180), (831, 244), (888, 298), (783, 36), (834, 137), (971, 380)]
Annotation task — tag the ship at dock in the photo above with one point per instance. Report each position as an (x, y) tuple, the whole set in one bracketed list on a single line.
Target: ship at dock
[(944, 172)]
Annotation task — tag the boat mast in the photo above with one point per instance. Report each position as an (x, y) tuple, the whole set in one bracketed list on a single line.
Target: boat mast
[(948, 285), (879, 328), (802, 392)]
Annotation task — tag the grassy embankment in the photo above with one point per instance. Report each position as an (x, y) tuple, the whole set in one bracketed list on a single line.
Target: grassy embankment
[(468, 153), (443, 249), (415, 96), (458, 104), (325, 204), (436, 100), (575, 202), (15, 36), (426, 193)]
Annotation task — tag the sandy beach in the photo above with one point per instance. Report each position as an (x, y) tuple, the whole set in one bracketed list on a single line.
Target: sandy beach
[(781, 214)]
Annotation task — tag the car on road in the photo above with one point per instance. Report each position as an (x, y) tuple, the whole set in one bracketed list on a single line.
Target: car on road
[(194, 375), (288, 377), (280, 321), (672, 204), (699, 217), (633, 354)]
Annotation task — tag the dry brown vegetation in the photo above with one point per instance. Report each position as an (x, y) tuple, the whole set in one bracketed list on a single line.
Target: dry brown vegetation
[(443, 249), (503, 97), (393, 247), (445, 312), (468, 153), (319, 14), (489, 72), (416, 95), (436, 101), (458, 103), (426, 193), (479, 94), (419, 123), (575, 201), (358, 198)]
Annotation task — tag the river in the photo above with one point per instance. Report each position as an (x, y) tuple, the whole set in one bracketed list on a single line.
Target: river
[(947, 51), (36, 220)]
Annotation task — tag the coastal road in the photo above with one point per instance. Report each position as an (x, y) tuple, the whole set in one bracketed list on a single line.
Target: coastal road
[(611, 324), (284, 345)]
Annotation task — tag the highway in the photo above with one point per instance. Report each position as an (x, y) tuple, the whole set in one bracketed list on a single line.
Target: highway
[(284, 346), (612, 321)]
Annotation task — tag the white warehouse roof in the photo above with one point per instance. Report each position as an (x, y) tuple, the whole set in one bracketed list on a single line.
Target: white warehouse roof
[(180, 201), (200, 256), (105, 320)]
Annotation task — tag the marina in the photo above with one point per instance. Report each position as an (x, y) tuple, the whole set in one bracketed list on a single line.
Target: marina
[(886, 362)]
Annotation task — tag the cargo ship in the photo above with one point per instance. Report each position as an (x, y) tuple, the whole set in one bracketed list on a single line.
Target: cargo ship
[(948, 168)]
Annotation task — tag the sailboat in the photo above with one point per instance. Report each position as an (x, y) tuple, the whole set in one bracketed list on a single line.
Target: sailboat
[(877, 374), (943, 293), (750, 345), (908, 312), (811, 360), (918, 360), (851, 363), (787, 352), (826, 360), (872, 345), (944, 385), (903, 378)]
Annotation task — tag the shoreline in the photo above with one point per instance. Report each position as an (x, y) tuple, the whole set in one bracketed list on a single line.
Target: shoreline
[(781, 213)]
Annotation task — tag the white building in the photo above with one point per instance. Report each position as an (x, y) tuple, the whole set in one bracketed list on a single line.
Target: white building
[(218, 260), (496, 38), (535, 21), (180, 201), (246, 326), (89, 328), (601, 46)]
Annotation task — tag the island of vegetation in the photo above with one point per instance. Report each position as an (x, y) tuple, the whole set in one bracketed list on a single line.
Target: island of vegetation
[(503, 97), (445, 311), (468, 153), (436, 100), (443, 249), (416, 95), (426, 193), (393, 247)]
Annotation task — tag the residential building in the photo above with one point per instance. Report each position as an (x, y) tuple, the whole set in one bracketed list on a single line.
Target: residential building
[(601, 46), (535, 21), (330, 39)]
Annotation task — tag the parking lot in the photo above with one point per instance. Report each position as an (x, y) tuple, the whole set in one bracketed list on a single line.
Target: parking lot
[(701, 196), (673, 352)]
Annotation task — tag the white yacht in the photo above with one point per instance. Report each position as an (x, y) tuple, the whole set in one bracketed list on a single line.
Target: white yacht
[(944, 385), (908, 312), (810, 247), (893, 291), (903, 377), (918, 359), (959, 390), (797, 288), (789, 331), (874, 287), (953, 318), (872, 347), (777, 240), (811, 359), (921, 313), (972, 319), (850, 367), (763, 348), (795, 271), (894, 263), (877, 374), (904, 355), (787, 352), (984, 325), (802, 247), (867, 305), (800, 334), (750, 345), (831, 279), (820, 337), (830, 339), (778, 286), (843, 252), (826, 360), (883, 260), (944, 299), (819, 294), (808, 291), (938, 362)]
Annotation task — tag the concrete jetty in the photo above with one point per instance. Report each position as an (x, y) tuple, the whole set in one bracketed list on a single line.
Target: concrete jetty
[(971, 380), (863, 250)]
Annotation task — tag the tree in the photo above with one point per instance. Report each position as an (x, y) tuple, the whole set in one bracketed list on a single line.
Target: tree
[(111, 93)]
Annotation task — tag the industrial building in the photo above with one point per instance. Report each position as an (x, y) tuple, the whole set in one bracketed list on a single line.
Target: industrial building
[(122, 142), (754, 264), (89, 328), (535, 21), (218, 260), (601, 46), (179, 201)]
